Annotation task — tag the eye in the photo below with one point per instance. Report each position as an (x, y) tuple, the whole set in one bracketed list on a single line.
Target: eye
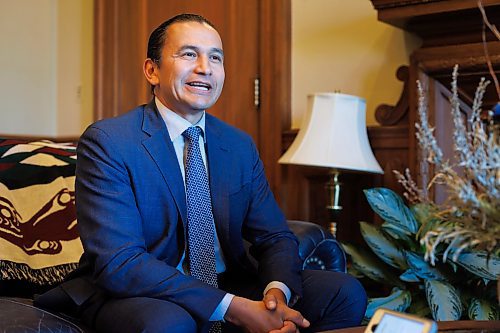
[(216, 58), (189, 54)]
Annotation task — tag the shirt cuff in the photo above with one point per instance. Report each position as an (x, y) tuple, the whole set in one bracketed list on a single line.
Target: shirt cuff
[(221, 309), (281, 286)]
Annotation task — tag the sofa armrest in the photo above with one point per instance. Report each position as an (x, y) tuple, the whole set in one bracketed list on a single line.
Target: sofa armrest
[(20, 316), (317, 247)]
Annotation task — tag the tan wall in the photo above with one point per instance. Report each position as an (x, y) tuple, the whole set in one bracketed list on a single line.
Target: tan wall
[(74, 66), (340, 45), (46, 66), (27, 92), (87, 65)]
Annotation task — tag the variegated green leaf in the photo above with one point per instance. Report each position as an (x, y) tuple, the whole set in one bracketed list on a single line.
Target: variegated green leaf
[(391, 208), (399, 300), (368, 264), (423, 269), (443, 300), (480, 264), (397, 232), (409, 276), (382, 246), (482, 310)]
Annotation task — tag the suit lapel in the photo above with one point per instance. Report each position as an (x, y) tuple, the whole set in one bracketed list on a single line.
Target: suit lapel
[(218, 161), (162, 151)]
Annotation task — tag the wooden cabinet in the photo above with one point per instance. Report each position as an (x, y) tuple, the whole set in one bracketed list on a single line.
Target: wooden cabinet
[(451, 33)]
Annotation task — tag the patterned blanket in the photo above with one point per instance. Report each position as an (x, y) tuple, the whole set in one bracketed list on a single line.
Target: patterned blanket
[(39, 242)]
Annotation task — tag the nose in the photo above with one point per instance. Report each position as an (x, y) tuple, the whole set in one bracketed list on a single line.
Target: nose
[(203, 65)]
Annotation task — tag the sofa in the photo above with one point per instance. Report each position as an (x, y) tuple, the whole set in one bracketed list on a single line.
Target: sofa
[(39, 241)]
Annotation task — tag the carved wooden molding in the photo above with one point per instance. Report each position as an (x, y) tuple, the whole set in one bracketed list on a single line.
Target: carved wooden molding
[(435, 5), (451, 31), (438, 63), (388, 115), (470, 57), (384, 4), (439, 22), (380, 135)]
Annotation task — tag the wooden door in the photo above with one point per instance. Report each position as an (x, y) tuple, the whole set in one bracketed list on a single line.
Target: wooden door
[(237, 23), (257, 40), (130, 23)]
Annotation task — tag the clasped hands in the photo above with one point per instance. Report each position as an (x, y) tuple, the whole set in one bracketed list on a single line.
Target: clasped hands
[(271, 315)]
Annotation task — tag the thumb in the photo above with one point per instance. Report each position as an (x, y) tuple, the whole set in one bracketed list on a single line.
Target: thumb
[(270, 301)]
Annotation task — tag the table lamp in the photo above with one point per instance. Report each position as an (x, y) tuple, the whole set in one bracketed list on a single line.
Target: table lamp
[(333, 135)]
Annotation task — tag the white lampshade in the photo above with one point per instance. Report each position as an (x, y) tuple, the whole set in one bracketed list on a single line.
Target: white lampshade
[(333, 135)]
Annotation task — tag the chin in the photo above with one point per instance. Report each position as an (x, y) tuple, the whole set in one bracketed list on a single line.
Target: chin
[(201, 106)]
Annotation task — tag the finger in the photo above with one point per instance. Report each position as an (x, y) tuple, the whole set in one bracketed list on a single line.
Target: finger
[(296, 317), (270, 301), (288, 327)]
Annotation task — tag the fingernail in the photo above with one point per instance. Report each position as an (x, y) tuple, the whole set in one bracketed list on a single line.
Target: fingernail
[(272, 303), (306, 322)]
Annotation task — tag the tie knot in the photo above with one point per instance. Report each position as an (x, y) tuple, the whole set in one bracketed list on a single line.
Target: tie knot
[(192, 133)]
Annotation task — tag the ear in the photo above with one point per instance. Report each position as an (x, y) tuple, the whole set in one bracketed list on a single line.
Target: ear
[(150, 72)]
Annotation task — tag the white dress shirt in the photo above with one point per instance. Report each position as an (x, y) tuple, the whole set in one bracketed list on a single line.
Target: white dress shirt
[(176, 125)]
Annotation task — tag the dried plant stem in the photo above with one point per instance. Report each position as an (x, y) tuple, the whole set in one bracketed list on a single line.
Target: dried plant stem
[(470, 218), (495, 31)]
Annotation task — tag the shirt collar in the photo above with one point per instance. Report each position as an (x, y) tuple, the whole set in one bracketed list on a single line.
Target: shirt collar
[(176, 125)]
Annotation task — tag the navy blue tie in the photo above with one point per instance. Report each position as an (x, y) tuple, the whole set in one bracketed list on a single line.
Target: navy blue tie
[(200, 219)]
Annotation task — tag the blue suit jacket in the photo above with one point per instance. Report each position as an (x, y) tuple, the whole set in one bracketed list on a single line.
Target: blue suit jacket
[(131, 211)]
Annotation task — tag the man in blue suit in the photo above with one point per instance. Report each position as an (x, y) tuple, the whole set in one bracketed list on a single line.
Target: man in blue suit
[(132, 213)]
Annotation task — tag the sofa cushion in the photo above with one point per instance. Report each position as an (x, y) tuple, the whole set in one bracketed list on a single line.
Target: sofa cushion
[(318, 248), (39, 242), (19, 316)]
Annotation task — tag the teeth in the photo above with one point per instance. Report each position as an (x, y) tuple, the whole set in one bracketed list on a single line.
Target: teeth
[(199, 85)]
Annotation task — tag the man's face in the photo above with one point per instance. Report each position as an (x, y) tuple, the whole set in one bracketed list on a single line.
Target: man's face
[(191, 70)]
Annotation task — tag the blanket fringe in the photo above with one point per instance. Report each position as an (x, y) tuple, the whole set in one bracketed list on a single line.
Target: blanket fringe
[(44, 276)]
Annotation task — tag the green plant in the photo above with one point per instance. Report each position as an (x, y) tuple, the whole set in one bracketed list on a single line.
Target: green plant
[(451, 290), (470, 219), (440, 259)]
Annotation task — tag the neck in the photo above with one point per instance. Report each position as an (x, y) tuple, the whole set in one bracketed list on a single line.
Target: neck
[(193, 116)]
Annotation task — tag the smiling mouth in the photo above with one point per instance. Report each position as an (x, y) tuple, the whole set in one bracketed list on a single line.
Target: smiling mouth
[(200, 85)]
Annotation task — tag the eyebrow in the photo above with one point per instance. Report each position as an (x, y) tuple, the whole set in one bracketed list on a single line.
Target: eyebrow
[(196, 48)]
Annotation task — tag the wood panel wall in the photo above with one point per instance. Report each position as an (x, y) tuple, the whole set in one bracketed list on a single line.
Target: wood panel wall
[(121, 32), (452, 34)]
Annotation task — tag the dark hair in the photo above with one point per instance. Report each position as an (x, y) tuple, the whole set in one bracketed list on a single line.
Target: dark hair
[(157, 37)]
